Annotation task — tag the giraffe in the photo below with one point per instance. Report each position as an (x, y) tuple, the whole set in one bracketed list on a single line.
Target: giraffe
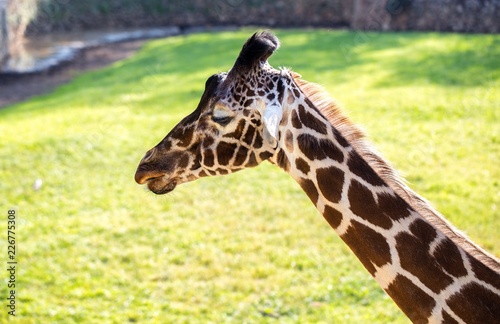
[(256, 113)]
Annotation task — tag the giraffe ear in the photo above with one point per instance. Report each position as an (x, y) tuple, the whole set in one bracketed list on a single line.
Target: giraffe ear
[(256, 50), (271, 118)]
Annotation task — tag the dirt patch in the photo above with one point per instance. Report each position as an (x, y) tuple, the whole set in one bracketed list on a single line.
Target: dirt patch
[(19, 87)]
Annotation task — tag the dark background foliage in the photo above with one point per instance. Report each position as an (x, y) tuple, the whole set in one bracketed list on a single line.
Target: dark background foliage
[(478, 16)]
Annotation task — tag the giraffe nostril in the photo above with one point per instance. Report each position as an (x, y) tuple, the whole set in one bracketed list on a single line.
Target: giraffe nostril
[(149, 154)]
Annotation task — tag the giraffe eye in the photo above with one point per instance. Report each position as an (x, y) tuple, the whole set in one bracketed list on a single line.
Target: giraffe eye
[(221, 120)]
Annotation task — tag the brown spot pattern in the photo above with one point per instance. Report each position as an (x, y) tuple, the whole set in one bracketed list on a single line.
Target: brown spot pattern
[(289, 140), (252, 160), (186, 138), (283, 160), (412, 300), (332, 216), (340, 139), (448, 319), (258, 141), (369, 246), (208, 158), (241, 157), (248, 103), (393, 207), (310, 189), (364, 205), (484, 273), (295, 120), (333, 152), (318, 149), (448, 256), (225, 152), (361, 168), (281, 90), (238, 132), (207, 142), (183, 161), (310, 121), (424, 231), (302, 165), (330, 181), (248, 138), (196, 163), (265, 155), (476, 304), (415, 258)]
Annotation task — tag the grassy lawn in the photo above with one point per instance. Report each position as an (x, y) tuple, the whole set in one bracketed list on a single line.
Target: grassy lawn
[(94, 247)]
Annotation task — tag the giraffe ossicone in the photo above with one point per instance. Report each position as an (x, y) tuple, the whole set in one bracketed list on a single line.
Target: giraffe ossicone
[(256, 113)]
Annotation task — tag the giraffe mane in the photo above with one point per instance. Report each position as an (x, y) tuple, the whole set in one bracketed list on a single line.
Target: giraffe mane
[(331, 110)]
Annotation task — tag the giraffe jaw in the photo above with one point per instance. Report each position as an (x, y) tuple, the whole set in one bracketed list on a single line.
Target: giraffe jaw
[(161, 185)]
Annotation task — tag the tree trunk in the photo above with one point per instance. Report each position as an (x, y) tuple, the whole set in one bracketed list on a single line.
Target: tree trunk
[(4, 38)]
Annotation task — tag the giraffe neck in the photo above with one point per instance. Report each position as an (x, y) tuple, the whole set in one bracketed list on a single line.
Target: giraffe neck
[(432, 273)]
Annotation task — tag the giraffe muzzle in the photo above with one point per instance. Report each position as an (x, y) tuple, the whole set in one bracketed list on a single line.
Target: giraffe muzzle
[(148, 169), (157, 182), (144, 176)]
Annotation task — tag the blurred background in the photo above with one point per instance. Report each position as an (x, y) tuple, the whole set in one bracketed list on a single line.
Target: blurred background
[(39, 19)]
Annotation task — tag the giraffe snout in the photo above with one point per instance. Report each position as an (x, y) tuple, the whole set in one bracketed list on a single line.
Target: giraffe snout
[(146, 170), (157, 181), (142, 176)]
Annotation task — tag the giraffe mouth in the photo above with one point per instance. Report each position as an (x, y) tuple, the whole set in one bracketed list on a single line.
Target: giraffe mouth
[(160, 187)]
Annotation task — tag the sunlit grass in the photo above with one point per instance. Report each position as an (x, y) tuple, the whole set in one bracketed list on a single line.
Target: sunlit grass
[(95, 247)]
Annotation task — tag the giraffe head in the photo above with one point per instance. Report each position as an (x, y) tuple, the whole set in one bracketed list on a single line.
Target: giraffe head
[(235, 125)]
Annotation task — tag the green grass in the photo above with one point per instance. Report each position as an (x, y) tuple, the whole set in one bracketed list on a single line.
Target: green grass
[(94, 247)]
